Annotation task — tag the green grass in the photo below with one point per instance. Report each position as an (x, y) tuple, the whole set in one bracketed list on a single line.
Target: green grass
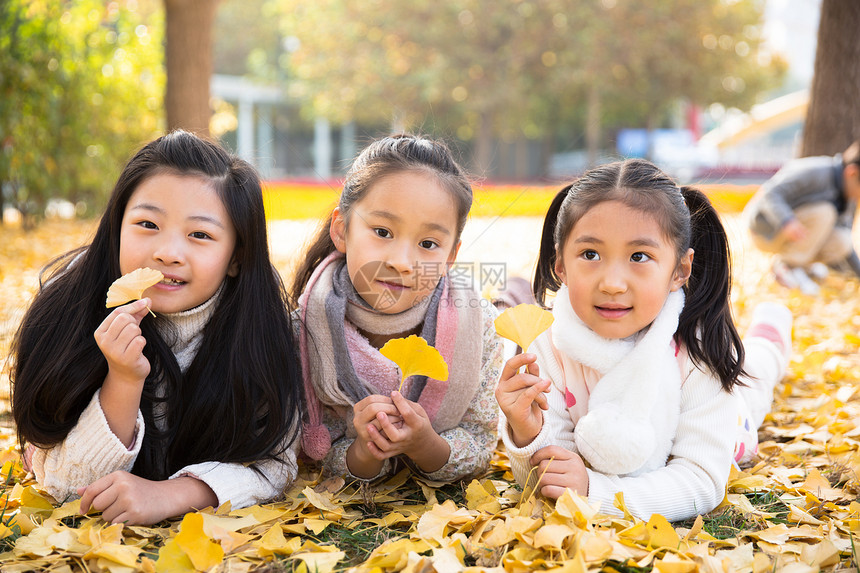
[(728, 522)]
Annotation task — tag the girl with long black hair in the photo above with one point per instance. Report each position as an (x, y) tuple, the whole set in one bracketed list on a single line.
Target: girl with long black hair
[(147, 417)]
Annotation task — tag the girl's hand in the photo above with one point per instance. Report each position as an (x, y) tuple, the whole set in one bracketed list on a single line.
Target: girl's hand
[(366, 411), (415, 437), (132, 500), (361, 461), (558, 469), (521, 398), (120, 340)]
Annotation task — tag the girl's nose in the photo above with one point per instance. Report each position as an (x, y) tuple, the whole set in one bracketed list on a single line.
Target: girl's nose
[(400, 258), (168, 251), (613, 281)]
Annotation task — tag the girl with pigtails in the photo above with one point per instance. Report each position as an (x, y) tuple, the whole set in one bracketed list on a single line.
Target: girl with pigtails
[(642, 385)]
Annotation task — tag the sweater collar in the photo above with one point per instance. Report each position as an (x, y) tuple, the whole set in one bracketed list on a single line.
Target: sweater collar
[(185, 325)]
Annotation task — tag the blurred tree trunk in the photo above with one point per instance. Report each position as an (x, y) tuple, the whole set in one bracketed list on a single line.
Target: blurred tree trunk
[(833, 117), (593, 125), (188, 56), (484, 146)]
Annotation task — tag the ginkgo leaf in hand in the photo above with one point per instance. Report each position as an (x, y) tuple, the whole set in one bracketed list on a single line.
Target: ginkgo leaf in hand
[(523, 323), (414, 356), (130, 286)]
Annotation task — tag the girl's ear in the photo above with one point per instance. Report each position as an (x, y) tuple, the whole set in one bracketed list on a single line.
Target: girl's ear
[(559, 266), (682, 273), (337, 230), (233, 269)]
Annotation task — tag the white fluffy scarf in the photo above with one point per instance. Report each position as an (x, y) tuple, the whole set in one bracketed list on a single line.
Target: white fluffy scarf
[(633, 409)]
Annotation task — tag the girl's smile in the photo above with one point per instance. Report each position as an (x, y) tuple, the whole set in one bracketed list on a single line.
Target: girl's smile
[(179, 226)]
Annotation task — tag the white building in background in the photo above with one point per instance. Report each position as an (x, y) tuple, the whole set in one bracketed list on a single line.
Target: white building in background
[(763, 139), (271, 136)]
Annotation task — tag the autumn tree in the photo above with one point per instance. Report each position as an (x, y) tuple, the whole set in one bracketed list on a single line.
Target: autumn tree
[(484, 69), (72, 76), (833, 117), (188, 58)]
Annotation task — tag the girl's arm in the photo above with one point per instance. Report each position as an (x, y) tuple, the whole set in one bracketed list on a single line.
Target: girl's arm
[(90, 451), (121, 342), (694, 480), (126, 498), (473, 441), (557, 428), (243, 485)]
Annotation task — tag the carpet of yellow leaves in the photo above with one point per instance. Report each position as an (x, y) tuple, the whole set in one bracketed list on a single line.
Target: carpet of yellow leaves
[(795, 509)]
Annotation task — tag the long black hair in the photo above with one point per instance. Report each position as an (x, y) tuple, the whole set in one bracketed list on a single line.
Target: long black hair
[(239, 400), (687, 218), (386, 156)]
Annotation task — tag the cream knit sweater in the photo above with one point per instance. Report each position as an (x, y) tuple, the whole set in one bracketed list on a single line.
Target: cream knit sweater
[(91, 450), (692, 482)]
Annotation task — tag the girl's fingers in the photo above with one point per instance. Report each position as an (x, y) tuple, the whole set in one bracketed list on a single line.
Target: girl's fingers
[(123, 517), (376, 452), (393, 434), (518, 383), (90, 492), (136, 309), (104, 500), (514, 364), (536, 394), (552, 491), (395, 420), (374, 399), (548, 452), (381, 442)]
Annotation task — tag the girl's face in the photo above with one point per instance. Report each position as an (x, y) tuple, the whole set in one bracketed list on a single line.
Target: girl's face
[(399, 240), (619, 268), (178, 225)]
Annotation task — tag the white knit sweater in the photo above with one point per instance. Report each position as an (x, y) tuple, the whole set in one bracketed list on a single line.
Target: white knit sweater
[(91, 450), (692, 482)]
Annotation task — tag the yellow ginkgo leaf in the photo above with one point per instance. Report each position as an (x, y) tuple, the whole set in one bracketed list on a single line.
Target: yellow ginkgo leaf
[(523, 323), (414, 356), (130, 286), (200, 549)]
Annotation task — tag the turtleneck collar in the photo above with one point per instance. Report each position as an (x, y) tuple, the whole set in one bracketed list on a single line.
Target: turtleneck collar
[(185, 330)]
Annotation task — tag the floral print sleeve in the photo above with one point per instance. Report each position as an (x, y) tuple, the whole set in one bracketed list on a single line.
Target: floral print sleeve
[(335, 460), (473, 441)]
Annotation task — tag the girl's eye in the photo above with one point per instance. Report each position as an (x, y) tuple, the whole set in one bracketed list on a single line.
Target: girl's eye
[(384, 233), (590, 255), (639, 257), (428, 244), (199, 235), (148, 225)]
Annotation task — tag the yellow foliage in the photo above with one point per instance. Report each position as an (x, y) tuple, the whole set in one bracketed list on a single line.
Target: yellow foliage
[(414, 356), (200, 549), (523, 323)]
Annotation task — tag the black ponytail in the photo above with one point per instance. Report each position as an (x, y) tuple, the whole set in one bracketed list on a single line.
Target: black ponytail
[(706, 327), (546, 278)]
